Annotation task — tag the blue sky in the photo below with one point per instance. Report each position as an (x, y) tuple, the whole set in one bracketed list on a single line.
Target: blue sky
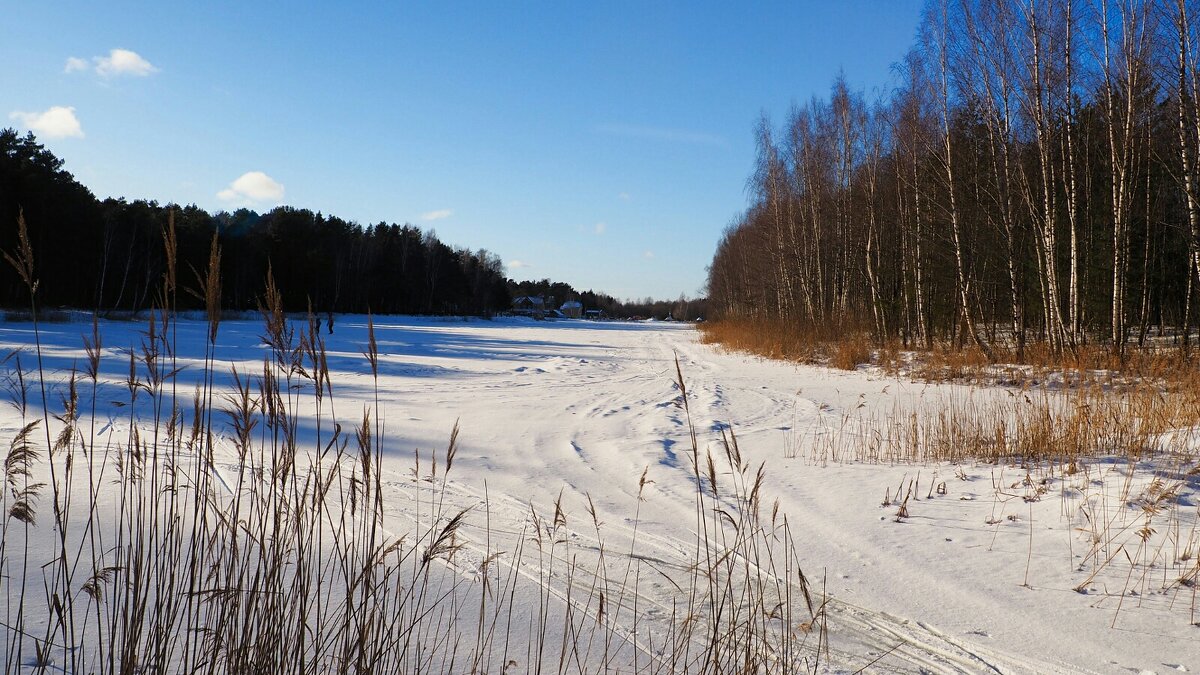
[(602, 144)]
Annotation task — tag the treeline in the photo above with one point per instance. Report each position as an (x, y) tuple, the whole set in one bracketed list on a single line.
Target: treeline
[(110, 254), (1032, 175), (681, 309)]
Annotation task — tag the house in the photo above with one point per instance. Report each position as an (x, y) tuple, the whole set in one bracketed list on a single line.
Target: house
[(572, 309), (594, 314), (530, 305)]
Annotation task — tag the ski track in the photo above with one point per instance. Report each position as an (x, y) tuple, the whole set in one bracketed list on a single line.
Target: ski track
[(579, 409)]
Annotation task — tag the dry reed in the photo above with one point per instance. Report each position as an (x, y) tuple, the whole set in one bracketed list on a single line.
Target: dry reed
[(209, 532)]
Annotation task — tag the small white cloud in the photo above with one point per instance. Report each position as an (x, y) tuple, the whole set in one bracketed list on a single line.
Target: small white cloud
[(122, 62), (76, 64), (518, 264), (648, 255), (438, 214), (624, 196), (600, 228), (251, 187), (57, 122)]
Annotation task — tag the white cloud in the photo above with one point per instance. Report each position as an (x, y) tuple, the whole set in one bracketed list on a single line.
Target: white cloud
[(648, 255), (76, 64), (118, 62), (123, 62), (438, 214), (252, 187), (600, 228), (57, 122), (518, 264), (624, 196)]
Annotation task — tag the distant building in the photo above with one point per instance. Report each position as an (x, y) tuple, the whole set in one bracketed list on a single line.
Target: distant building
[(572, 309), (530, 305), (594, 314)]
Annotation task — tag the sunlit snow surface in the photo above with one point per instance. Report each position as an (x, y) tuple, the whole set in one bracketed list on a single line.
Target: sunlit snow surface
[(974, 579)]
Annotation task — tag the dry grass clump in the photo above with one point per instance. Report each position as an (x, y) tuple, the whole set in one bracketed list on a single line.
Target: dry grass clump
[(851, 352), (769, 339), (841, 348), (947, 363), (1025, 425)]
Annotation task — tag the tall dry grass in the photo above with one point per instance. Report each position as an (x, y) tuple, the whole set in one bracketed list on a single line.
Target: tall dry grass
[(1019, 426), (942, 361), (245, 529)]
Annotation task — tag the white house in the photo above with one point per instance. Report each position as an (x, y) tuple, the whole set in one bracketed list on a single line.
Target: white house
[(572, 309)]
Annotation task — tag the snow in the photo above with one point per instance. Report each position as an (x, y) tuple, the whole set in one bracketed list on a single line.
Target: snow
[(998, 572)]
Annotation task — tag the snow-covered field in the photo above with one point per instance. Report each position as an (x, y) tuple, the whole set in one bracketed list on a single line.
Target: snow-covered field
[(994, 569)]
